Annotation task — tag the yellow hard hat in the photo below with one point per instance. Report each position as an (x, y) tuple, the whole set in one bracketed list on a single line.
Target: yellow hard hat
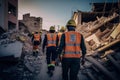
[(32, 32), (71, 22), (35, 32), (52, 28), (40, 32), (62, 28)]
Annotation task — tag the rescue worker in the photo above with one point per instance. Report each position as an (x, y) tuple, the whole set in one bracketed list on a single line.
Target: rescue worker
[(72, 43), (50, 41), (62, 30), (36, 40), (59, 57)]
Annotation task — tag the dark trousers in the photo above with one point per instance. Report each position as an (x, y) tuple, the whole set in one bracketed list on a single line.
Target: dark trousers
[(50, 55), (71, 67)]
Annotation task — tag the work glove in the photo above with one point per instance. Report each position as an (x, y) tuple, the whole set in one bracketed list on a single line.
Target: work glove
[(82, 60)]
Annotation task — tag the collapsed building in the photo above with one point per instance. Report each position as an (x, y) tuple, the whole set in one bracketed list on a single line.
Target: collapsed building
[(32, 23), (16, 60), (100, 26), (101, 30), (8, 29), (17, 36)]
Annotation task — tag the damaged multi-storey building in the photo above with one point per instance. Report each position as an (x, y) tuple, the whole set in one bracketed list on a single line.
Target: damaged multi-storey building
[(101, 29), (9, 47), (8, 15), (99, 26), (31, 23)]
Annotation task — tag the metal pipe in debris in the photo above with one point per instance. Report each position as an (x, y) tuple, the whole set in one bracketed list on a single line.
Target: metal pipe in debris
[(101, 68), (90, 75), (114, 62)]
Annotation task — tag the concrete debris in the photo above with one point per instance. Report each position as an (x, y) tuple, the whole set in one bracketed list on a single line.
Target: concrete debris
[(100, 32), (108, 45), (102, 37), (25, 69), (116, 32), (9, 46)]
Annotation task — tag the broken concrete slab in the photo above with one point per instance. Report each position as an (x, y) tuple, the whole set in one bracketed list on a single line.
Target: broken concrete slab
[(116, 31), (9, 49)]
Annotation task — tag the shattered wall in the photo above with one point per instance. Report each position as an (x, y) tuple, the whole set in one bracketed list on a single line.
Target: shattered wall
[(32, 23), (99, 31)]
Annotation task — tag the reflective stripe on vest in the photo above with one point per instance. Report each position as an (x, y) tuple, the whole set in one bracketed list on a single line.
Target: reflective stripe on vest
[(72, 45), (36, 37), (72, 52), (51, 37), (51, 42)]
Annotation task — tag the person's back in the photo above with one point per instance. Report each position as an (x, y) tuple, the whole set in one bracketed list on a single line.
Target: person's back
[(59, 36), (62, 30), (50, 41), (59, 57), (72, 43), (36, 37), (51, 37), (36, 40)]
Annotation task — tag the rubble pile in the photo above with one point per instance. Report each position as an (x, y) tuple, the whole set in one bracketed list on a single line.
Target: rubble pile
[(27, 67), (100, 32), (104, 67), (10, 46), (26, 70), (24, 66), (102, 38)]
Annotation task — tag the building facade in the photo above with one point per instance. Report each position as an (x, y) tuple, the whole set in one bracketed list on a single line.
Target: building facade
[(32, 23), (9, 14)]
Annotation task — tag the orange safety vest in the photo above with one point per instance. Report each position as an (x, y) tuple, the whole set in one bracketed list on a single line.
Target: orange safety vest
[(59, 37), (72, 45), (36, 37), (51, 37)]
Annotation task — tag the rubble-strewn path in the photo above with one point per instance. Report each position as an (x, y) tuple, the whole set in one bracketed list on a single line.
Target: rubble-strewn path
[(43, 73), (102, 65), (33, 68)]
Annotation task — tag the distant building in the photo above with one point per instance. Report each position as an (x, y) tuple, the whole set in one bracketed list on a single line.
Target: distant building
[(9, 14), (32, 23)]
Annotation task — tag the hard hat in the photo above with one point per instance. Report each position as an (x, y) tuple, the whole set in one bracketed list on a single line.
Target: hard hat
[(40, 31), (62, 28), (71, 22), (52, 28), (32, 32), (36, 32)]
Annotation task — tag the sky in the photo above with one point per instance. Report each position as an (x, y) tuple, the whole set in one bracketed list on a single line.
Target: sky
[(54, 12)]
